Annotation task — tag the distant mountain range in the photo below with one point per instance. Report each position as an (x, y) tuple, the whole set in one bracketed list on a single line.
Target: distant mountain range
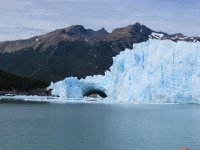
[(74, 51)]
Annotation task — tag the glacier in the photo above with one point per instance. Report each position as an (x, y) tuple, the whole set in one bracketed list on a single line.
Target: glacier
[(156, 71)]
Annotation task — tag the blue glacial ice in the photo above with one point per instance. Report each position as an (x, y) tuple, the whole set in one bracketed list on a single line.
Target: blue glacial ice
[(156, 71)]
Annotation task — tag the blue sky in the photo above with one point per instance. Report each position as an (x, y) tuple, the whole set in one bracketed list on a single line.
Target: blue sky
[(25, 18)]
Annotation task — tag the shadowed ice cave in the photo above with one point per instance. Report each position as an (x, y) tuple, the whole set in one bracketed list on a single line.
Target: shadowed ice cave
[(94, 92)]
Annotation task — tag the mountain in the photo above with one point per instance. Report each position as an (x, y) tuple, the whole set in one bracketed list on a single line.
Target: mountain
[(17, 84), (156, 71), (74, 51), (70, 34)]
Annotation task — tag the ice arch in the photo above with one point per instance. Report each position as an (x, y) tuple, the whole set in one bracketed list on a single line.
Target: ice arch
[(74, 88)]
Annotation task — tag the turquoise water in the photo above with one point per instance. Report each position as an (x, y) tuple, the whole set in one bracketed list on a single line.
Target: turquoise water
[(99, 127)]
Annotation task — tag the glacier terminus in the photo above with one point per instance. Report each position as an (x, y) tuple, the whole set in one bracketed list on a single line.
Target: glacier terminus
[(155, 71)]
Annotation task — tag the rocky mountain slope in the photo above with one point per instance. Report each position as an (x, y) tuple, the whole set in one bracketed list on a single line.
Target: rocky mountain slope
[(74, 51)]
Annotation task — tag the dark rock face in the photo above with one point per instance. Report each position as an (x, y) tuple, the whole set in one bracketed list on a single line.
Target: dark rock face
[(73, 51), (125, 37)]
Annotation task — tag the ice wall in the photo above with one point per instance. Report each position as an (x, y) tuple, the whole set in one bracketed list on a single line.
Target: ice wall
[(153, 71)]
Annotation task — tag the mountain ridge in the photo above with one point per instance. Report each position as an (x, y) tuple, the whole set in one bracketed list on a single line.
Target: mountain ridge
[(74, 51), (78, 32)]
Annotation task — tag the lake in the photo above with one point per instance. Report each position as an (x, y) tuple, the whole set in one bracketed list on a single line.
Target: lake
[(45, 126)]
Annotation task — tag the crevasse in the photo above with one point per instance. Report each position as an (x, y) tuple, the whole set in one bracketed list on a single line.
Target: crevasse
[(154, 71)]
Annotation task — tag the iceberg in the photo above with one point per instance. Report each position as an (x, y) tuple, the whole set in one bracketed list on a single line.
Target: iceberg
[(156, 71)]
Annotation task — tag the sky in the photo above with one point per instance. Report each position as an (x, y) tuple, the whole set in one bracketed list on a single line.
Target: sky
[(21, 19)]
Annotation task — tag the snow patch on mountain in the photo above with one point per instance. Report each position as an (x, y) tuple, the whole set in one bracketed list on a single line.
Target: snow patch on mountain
[(156, 35), (157, 71)]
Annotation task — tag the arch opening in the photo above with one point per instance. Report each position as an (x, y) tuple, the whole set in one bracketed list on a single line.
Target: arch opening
[(94, 93)]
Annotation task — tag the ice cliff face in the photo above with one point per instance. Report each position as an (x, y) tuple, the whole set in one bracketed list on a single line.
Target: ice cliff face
[(153, 71)]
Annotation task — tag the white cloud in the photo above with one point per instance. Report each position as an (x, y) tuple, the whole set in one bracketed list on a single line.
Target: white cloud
[(39, 16)]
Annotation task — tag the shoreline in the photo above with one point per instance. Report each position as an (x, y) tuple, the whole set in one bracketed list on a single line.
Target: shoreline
[(38, 92), (58, 100)]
